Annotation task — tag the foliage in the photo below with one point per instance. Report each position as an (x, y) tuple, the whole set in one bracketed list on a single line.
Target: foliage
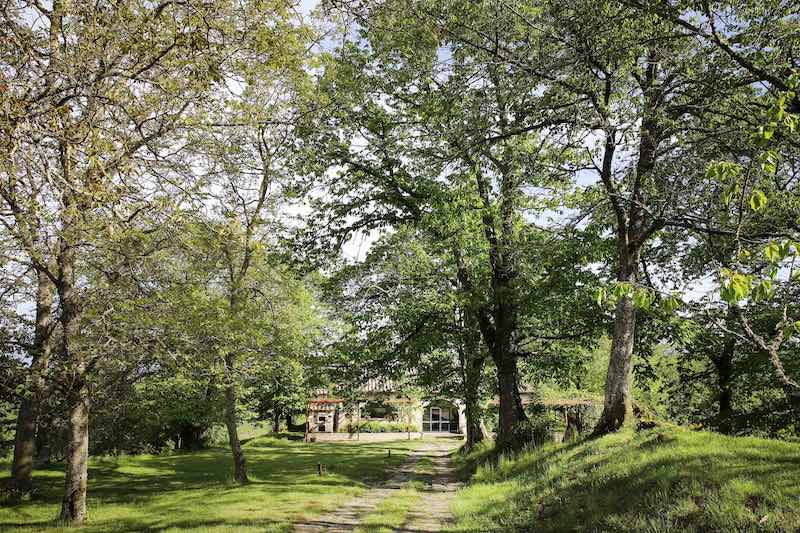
[(379, 426)]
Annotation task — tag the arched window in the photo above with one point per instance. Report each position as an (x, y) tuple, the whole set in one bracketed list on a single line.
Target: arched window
[(440, 417)]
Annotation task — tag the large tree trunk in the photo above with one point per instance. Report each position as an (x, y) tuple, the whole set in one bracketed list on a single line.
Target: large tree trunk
[(511, 409), (231, 422), (73, 505), (25, 438), (24, 445), (474, 427), (724, 366), (499, 330), (472, 365), (634, 226), (617, 404)]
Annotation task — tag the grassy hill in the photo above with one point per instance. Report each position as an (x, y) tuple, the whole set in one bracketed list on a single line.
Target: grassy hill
[(657, 480)]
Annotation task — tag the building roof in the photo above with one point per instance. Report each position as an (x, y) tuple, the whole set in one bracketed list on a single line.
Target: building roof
[(372, 385)]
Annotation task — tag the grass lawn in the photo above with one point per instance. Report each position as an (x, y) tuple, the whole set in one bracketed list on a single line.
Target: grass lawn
[(391, 513), (658, 480), (194, 492)]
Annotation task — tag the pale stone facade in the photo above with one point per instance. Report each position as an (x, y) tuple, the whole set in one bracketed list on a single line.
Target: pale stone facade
[(379, 410)]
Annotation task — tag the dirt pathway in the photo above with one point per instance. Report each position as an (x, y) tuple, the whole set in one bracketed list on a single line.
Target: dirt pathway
[(432, 513), (436, 494)]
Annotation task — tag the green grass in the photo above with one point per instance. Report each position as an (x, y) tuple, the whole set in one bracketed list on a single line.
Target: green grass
[(251, 430), (193, 492), (391, 513), (659, 480)]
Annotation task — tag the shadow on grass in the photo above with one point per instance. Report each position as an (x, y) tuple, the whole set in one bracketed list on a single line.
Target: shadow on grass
[(194, 490), (660, 480)]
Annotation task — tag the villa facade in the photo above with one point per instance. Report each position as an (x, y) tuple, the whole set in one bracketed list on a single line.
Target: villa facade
[(380, 409)]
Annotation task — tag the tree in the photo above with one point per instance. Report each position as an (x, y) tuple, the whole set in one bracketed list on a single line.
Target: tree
[(278, 389), (759, 40), (95, 96), (438, 140)]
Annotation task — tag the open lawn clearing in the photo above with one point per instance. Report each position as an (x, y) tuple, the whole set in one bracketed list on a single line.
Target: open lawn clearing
[(194, 492)]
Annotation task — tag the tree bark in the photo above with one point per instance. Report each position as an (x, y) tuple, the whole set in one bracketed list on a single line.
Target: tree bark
[(276, 421), (511, 410), (25, 437), (73, 505), (724, 366), (231, 422), (634, 225), (475, 429), (617, 405), (24, 444), (472, 365), (496, 324)]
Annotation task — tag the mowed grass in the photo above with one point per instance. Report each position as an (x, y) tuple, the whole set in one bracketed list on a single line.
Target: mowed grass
[(391, 513), (194, 492), (658, 480)]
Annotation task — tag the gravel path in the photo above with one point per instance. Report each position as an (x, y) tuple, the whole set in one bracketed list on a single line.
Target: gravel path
[(430, 514)]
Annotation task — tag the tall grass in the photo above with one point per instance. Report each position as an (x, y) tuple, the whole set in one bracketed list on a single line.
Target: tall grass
[(659, 480)]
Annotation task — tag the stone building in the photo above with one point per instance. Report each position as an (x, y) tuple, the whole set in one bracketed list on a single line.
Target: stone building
[(379, 409), (380, 412)]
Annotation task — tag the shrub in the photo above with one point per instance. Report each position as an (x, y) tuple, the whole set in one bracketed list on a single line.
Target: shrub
[(379, 426)]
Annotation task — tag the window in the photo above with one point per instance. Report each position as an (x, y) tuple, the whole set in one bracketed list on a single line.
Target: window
[(440, 417)]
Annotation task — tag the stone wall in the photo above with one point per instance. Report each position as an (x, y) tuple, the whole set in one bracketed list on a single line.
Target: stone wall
[(377, 437)]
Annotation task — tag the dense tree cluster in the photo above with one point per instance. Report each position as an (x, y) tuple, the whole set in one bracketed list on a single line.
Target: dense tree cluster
[(595, 196), (642, 152)]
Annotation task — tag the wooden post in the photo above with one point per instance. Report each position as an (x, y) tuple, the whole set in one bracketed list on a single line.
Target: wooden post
[(321, 469), (308, 414)]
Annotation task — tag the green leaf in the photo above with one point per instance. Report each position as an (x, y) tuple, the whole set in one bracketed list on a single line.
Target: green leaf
[(773, 252), (735, 286), (622, 289), (600, 295), (763, 291), (643, 298), (672, 303), (769, 162), (758, 200)]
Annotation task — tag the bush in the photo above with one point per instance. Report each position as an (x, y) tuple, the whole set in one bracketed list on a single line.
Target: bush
[(379, 426), (535, 431)]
